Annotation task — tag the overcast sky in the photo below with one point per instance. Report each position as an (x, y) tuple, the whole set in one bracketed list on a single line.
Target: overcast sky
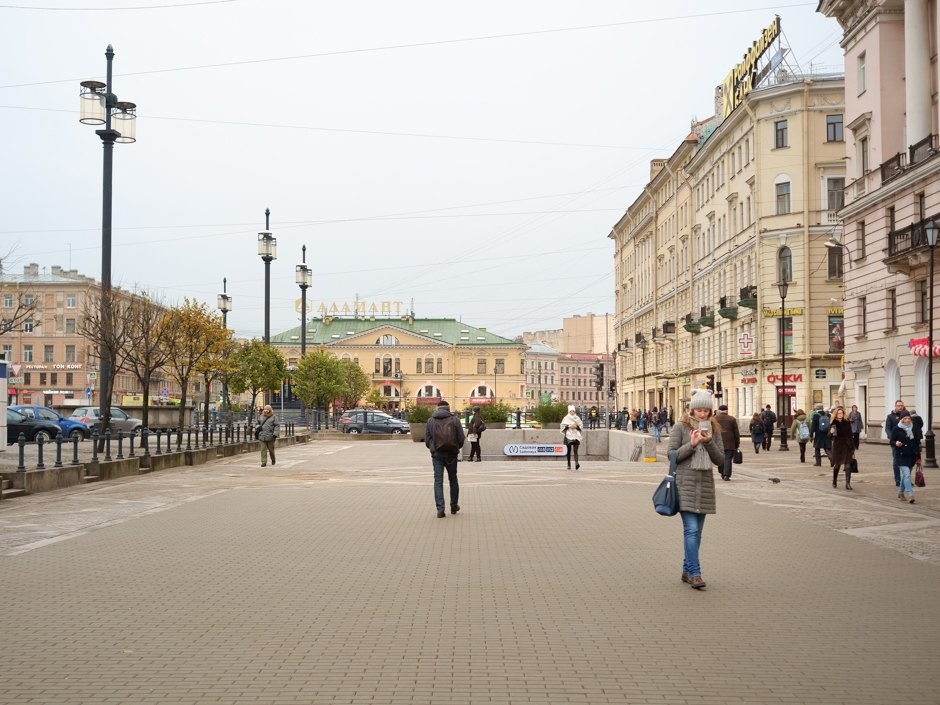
[(470, 157)]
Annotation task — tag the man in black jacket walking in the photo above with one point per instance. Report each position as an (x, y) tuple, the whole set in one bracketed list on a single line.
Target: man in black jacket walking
[(444, 437)]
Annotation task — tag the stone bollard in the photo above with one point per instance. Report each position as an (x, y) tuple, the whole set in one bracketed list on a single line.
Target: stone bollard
[(649, 450)]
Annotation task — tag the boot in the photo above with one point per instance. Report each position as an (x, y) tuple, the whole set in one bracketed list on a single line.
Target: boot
[(835, 476), (848, 480)]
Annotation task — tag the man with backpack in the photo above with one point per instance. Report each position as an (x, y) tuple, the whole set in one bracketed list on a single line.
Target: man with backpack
[(444, 437), (770, 421), (819, 429)]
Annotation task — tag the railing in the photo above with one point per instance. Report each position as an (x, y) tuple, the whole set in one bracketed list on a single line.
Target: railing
[(909, 238), (892, 168), (924, 149)]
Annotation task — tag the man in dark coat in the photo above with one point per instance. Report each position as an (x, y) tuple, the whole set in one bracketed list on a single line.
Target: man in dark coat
[(891, 422), (442, 458), (730, 438), (770, 421)]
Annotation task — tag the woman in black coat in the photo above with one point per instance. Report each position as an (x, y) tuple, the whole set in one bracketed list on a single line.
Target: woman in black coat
[(907, 450), (843, 446)]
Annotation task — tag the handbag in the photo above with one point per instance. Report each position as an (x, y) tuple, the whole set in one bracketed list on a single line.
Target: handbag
[(738, 456), (472, 437), (919, 480), (852, 466), (666, 496)]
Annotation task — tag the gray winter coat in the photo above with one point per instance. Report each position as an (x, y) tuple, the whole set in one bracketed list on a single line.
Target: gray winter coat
[(696, 487), (267, 428)]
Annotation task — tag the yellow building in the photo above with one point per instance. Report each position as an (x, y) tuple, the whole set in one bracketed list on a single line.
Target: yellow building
[(419, 360), (743, 202)]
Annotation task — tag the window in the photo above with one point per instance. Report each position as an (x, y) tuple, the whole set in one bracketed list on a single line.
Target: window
[(7, 352), (70, 353), (481, 366), (835, 193), (8, 301), (785, 264), (53, 378), (428, 365), (28, 326), (860, 239), (783, 197), (27, 353), (780, 134), (923, 302), (68, 379), (418, 366), (863, 154), (833, 128), (861, 73), (48, 353), (378, 365), (891, 308), (500, 366), (834, 255), (863, 315), (889, 213), (42, 378), (69, 325), (387, 366), (27, 300), (70, 301), (387, 340), (27, 378), (784, 334), (440, 365)]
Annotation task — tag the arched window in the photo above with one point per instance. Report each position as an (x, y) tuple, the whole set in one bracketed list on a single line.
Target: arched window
[(784, 264), (378, 364), (429, 365), (387, 340), (440, 365), (418, 366), (387, 365)]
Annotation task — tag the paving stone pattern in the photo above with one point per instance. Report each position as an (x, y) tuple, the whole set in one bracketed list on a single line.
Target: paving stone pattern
[(328, 579)]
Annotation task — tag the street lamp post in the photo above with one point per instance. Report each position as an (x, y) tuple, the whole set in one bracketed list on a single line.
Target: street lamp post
[(930, 457), (224, 304), (267, 250), (99, 106), (641, 344), (783, 286), (303, 277)]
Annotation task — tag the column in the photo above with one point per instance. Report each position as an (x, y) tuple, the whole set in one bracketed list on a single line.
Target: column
[(917, 69)]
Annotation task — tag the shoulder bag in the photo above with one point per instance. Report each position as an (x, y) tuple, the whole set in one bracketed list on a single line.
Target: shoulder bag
[(666, 496)]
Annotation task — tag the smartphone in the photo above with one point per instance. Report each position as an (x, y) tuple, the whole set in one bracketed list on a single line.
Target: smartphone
[(705, 427)]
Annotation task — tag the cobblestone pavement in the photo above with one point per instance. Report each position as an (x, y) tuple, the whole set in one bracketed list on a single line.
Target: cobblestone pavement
[(327, 579)]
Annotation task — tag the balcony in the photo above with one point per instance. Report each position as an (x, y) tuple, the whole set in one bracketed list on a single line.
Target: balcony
[(669, 330), (727, 308), (692, 326), (923, 150), (748, 297), (706, 317), (658, 336), (893, 168), (907, 249)]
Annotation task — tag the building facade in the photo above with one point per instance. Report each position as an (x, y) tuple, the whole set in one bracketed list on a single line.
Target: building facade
[(747, 200), (419, 360), (893, 160)]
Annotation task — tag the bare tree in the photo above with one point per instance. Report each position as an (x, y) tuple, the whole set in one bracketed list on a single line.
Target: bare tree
[(148, 350), (18, 301)]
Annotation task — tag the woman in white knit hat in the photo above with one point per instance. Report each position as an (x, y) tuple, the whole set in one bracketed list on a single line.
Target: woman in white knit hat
[(697, 439), (571, 427)]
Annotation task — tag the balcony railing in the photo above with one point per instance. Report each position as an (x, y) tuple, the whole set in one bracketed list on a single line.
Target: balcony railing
[(669, 327), (748, 297), (691, 324), (727, 308), (707, 317), (924, 149), (893, 168), (906, 239)]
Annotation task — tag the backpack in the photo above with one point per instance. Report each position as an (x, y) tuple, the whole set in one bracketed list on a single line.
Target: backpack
[(803, 431), (823, 423), (445, 436)]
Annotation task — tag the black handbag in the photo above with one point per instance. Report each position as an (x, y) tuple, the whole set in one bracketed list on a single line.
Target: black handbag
[(666, 496), (738, 457)]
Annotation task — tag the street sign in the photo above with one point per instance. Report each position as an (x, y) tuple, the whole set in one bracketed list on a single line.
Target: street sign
[(16, 369), (165, 392)]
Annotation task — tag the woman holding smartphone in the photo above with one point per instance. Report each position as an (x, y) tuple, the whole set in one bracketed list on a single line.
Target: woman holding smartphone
[(697, 438)]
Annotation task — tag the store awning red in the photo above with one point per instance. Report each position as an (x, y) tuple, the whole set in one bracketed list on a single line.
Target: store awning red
[(919, 347)]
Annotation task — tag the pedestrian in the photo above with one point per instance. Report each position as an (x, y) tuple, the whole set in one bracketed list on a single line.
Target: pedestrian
[(819, 431), (266, 432), (592, 417), (799, 430), (891, 421), (571, 427), (633, 417), (907, 451), (770, 422), (843, 447), (697, 440), (656, 424), (730, 439), (476, 429), (444, 437), (756, 428), (855, 418)]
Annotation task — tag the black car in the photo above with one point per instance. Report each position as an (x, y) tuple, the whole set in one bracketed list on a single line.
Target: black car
[(32, 429), (371, 421)]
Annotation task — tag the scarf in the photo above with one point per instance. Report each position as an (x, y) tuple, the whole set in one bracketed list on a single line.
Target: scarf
[(908, 429)]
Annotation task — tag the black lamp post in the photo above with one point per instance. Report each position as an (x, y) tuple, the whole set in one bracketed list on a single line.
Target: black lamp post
[(304, 278), (99, 106), (784, 404), (930, 458), (224, 304), (267, 250), (641, 344)]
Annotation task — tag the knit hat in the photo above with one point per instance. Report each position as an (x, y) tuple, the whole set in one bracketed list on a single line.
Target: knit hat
[(701, 399), (570, 407), (904, 414), (442, 402), (723, 407)]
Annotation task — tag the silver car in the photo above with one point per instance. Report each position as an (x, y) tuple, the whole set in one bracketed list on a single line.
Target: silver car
[(120, 421)]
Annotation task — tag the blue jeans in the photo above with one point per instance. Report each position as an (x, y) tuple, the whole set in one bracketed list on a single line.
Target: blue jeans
[(657, 432), (440, 463), (692, 525), (905, 488)]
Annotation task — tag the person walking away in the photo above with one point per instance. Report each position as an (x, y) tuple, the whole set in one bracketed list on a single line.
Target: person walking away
[(756, 428), (891, 422), (592, 417), (770, 422), (907, 450), (656, 424), (855, 418), (633, 417), (266, 432), (697, 441), (571, 427), (476, 429), (730, 439), (819, 430), (664, 420), (799, 431), (843, 446), (444, 437)]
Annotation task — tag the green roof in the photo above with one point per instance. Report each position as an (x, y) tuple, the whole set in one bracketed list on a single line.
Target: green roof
[(327, 331)]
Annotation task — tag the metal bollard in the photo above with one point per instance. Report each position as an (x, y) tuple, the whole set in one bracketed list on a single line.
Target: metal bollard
[(120, 455), (189, 433), (158, 451), (212, 435), (94, 445), (40, 442), (133, 442), (21, 441), (179, 440), (58, 450), (145, 440), (107, 445), (75, 442)]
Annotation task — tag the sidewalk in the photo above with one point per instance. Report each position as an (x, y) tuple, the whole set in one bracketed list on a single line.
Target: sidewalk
[(328, 580)]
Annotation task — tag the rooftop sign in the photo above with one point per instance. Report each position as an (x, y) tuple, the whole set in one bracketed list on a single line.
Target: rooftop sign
[(742, 78)]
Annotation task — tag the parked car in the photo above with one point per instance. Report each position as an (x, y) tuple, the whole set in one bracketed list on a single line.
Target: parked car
[(71, 428), (370, 421), (32, 429), (120, 421)]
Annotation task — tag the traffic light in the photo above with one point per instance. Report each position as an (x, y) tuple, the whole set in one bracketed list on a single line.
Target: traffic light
[(613, 386), (718, 392), (710, 384), (599, 376)]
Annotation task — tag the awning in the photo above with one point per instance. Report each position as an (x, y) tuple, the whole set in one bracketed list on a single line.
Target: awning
[(919, 347)]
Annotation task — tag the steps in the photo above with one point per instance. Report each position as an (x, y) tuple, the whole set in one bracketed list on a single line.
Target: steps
[(7, 491)]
